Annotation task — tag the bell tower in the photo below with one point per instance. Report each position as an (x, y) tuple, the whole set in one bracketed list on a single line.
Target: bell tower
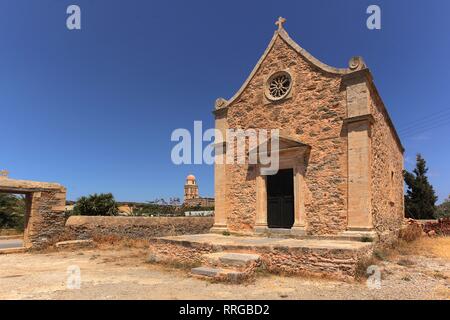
[(190, 188)]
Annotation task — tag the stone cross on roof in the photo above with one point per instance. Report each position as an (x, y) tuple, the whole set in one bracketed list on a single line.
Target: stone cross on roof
[(280, 22), (4, 173)]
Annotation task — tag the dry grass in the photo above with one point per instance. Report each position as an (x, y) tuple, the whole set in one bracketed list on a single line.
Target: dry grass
[(405, 262), (438, 247), (111, 242), (362, 265)]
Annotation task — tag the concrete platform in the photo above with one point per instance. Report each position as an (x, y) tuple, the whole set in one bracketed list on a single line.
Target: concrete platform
[(336, 258), (238, 242)]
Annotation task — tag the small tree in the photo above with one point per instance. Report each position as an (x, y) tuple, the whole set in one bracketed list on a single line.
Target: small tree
[(12, 211), (443, 210), (420, 198), (96, 205)]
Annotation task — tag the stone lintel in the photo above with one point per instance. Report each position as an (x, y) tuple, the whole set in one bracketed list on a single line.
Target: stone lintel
[(20, 186)]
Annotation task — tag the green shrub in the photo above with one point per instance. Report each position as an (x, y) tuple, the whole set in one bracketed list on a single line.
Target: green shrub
[(96, 205), (156, 210), (12, 211), (420, 198), (443, 210)]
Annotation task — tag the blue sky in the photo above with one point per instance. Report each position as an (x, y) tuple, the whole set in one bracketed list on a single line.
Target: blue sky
[(94, 109)]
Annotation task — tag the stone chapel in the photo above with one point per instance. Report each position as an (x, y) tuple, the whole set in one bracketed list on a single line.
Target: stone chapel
[(341, 159)]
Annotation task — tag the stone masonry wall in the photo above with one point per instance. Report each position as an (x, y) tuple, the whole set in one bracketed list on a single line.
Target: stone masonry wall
[(46, 219), (314, 114), (387, 177), (436, 227), (86, 227)]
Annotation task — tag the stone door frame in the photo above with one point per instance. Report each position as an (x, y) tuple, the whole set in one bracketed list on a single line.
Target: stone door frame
[(295, 159), (45, 202)]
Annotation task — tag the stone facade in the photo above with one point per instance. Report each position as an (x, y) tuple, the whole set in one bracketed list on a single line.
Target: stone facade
[(387, 174), (351, 152), (44, 221)]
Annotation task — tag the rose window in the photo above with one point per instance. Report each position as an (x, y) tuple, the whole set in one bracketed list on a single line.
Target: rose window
[(278, 85)]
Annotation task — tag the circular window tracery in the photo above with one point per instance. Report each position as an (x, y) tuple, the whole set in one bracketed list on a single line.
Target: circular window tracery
[(278, 85)]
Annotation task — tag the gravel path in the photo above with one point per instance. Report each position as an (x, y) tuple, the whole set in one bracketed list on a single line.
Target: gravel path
[(124, 274)]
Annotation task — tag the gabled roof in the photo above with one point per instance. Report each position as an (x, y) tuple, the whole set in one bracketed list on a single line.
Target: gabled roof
[(356, 66), (281, 33)]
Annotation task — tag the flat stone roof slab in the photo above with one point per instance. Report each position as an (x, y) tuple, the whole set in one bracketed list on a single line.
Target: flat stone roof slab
[(13, 185)]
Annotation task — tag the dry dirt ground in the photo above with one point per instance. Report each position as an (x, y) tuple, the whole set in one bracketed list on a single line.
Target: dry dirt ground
[(414, 271)]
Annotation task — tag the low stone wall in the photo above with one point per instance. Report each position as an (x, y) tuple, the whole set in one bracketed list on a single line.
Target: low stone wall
[(414, 229), (87, 227), (436, 227)]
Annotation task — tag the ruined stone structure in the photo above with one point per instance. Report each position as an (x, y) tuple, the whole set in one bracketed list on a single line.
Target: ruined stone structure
[(44, 221), (341, 160)]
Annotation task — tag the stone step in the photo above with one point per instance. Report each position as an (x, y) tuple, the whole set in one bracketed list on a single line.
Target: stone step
[(206, 271), (241, 260), (220, 274)]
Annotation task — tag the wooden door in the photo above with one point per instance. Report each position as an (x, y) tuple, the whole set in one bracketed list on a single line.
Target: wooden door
[(280, 199)]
